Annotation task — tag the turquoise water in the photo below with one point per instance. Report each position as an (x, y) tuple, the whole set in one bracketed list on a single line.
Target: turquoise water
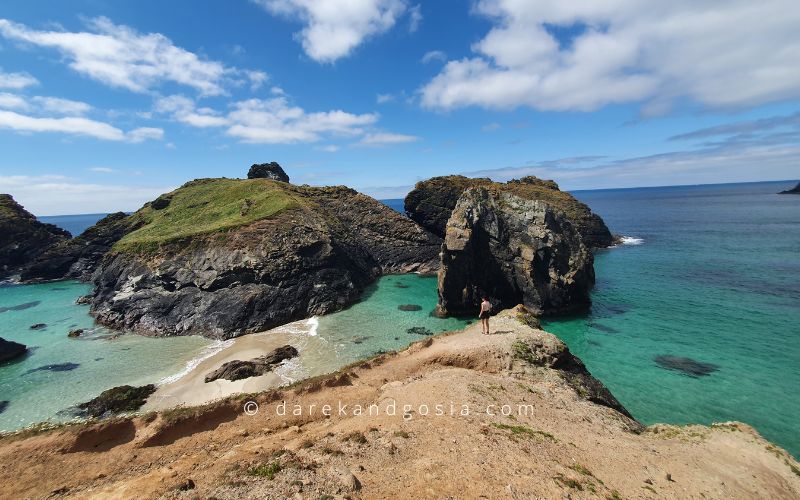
[(715, 280), (376, 324), (84, 367)]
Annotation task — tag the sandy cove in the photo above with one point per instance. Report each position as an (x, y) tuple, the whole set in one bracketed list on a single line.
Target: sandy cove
[(563, 446)]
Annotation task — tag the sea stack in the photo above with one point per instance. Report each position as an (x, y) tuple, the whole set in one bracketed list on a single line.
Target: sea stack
[(516, 251), (22, 236), (270, 170), (794, 190)]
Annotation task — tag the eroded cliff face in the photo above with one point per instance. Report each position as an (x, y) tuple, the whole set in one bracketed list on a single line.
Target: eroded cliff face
[(515, 251), (22, 237), (432, 201), (312, 256)]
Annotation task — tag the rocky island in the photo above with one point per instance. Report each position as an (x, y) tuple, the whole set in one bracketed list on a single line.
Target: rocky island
[(794, 190)]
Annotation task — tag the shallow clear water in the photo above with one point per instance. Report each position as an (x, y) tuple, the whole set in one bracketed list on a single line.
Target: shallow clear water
[(715, 280), (89, 365)]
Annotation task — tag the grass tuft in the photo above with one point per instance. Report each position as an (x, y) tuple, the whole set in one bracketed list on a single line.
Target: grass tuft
[(265, 470)]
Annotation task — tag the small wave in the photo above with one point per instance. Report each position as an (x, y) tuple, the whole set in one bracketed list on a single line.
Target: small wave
[(207, 352), (290, 371), (313, 326), (631, 240)]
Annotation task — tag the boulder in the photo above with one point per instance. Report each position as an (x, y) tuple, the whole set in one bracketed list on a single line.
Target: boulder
[(516, 251), (794, 190), (270, 170), (22, 236), (237, 370), (124, 398), (432, 201), (75, 333), (10, 350)]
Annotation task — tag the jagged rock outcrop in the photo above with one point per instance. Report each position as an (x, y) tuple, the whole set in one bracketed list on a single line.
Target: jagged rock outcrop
[(22, 237), (515, 250), (237, 369), (794, 190), (77, 258), (227, 257), (269, 170), (124, 398), (432, 201)]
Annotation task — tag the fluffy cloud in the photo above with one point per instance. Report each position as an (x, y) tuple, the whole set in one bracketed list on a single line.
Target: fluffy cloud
[(57, 194), (121, 57), (16, 80), (433, 55), (268, 121), (74, 126), (733, 54), (334, 28)]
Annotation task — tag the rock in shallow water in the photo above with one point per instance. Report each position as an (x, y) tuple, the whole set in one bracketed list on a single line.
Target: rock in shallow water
[(237, 370), (10, 350), (57, 367), (120, 399), (38, 326), (686, 366), (20, 307), (419, 330), (409, 307), (3, 406)]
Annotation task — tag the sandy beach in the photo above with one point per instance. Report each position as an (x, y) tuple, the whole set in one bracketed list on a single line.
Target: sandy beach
[(316, 357)]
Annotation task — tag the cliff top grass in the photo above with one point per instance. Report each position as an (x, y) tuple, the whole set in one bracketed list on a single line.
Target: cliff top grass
[(10, 209), (205, 206)]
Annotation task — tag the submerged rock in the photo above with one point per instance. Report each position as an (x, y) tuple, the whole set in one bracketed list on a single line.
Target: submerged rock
[(38, 326), (409, 307), (237, 370), (57, 367), (75, 333), (432, 202), (10, 350), (794, 190), (514, 250), (20, 307), (419, 330), (299, 251), (3, 406), (270, 170), (686, 366), (124, 398), (23, 236)]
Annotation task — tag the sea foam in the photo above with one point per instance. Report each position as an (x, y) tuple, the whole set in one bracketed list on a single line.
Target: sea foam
[(207, 352), (631, 240)]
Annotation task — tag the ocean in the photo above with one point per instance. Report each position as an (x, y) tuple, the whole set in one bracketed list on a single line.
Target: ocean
[(694, 319)]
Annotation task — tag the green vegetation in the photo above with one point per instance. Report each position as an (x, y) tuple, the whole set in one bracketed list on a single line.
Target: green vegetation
[(615, 495), (266, 470), (570, 483), (521, 430), (402, 434), (523, 351), (206, 206), (355, 437)]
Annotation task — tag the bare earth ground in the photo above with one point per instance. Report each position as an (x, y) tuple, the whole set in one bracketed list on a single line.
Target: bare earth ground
[(564, 447)]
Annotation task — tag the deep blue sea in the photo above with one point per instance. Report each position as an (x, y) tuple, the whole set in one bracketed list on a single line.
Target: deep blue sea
[(75, 224), (694, 320)]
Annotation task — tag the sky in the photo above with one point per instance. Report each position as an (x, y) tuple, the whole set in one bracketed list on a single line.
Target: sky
[(104, 104)]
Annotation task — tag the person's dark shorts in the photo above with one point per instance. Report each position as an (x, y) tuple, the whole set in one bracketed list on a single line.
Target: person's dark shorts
[(483, 315)]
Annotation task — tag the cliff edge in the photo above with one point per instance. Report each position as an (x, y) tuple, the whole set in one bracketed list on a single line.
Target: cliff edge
[(22, 237)]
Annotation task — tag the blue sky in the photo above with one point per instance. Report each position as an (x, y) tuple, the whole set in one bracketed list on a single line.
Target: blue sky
[(104, 105)]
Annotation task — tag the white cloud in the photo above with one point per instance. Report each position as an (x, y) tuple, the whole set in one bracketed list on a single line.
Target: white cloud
[(61, 106), (414, 18), (74, 126), (490, 127), (382, 139), (334, 28), (384, 98), (119, 56), (331, 148), (268, 121), (12, 101), (735, 54), (276, 91), (102, 170), (16, 80), (56, 194), (433, 55)]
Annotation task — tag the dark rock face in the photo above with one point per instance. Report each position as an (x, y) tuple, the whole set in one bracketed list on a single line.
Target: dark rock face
[(124, 398), (514, 250), (10, 350), (312, 259), (794, 190), (237, 370), (686, 366), (77, 258), (22, 237), (268, 171), (431, 203)]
